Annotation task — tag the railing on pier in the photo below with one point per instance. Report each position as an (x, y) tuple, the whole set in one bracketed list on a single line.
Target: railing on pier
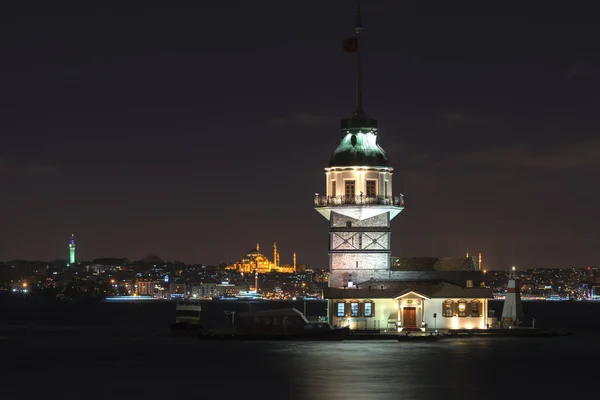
[(328, 201)]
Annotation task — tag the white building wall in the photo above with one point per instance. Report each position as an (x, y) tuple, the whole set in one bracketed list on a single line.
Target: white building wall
[(360, 176), (436, 306), (388, 314), (384, 319)]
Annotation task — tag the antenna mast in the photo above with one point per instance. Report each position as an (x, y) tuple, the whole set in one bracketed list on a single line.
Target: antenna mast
[(358, 30)]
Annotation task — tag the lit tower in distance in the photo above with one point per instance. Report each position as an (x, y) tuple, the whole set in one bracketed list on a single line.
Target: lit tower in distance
[(72, 250), (359, 202)]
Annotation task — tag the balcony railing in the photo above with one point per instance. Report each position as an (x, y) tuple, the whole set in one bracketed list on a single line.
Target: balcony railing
[(328, 201)]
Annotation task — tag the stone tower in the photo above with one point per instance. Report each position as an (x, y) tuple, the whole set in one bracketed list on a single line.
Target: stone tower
[(359, 202)]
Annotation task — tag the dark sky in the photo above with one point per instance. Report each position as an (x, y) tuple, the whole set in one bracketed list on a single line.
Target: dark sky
[(192, 133)]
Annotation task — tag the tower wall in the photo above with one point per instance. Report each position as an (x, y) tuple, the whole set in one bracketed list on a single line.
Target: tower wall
[(383, 177), (378, 221), (358, 249)]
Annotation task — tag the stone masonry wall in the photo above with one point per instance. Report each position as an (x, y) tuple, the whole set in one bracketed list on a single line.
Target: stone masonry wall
[(339, 221)]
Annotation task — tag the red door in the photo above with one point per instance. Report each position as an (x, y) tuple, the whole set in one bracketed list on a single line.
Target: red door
[(410, 317)]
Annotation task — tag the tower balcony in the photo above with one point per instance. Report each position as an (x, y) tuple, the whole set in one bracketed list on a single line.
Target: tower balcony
[(359, 207), (360, 200)]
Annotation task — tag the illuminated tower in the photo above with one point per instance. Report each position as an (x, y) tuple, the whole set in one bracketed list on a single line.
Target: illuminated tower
[(275, 254), (359, 202), (72, 250), (294, 262)]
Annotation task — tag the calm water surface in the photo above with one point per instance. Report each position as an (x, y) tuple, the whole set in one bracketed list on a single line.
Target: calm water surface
[(124, 352), (155, 366)]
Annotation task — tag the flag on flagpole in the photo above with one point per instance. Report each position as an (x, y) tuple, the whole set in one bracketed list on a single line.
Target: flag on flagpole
[(350, 45)]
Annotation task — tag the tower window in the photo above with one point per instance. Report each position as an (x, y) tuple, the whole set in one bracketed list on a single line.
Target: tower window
[(350, 192), (371, 188)]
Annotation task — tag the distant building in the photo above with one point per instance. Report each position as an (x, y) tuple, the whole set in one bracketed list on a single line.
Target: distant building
[(177, 290), (145, 287), (255, 260)]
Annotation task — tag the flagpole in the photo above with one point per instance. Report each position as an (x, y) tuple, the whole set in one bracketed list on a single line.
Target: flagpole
[(358, 29)]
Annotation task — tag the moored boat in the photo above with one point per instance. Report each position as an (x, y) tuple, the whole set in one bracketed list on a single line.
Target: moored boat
[(280, 324), (419, 338), (187, 317)]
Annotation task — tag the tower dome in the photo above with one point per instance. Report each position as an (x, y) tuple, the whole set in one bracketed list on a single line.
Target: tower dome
[(359, 146)]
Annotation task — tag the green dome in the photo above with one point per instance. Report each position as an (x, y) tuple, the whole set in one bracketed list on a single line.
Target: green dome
[(359, 145)]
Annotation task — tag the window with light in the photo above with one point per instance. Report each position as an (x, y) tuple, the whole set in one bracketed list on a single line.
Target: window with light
[(354, 309), (462, 309), (341, 308), (368, 310), (371, 188), (475, 309), (448, 312)]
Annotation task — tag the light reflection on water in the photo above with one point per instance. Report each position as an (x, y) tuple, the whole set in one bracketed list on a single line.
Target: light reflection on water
[(158, 367)]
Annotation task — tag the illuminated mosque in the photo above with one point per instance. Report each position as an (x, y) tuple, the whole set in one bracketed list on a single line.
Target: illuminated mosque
[(255, 261)]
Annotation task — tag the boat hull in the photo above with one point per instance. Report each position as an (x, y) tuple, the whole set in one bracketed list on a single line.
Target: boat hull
[(336, 334), (418, 338)]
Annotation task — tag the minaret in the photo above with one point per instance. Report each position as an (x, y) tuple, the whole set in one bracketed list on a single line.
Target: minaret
[(359, 202), (72, 250), (294, 262), (257, 246), (256, 280), (275, 254), (512, 312)]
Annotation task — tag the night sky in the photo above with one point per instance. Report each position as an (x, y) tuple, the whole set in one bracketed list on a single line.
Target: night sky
[(193, 133)]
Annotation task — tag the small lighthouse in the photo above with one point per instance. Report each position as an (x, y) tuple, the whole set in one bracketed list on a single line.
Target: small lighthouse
[(512, 313), (72, 250)]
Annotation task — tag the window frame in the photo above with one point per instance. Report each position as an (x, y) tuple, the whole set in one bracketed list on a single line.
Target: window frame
[(463, 313), (371, 308), (343, 308), (448, 305), (475, 306), (354, 304), (374, 187)]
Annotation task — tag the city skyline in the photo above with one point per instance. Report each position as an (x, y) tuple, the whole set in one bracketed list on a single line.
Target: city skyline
[(161, 131)]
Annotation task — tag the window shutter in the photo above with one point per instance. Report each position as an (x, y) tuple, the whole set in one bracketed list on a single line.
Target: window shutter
[(361, 309), (347, 309), (373, 309), (468, 310)]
